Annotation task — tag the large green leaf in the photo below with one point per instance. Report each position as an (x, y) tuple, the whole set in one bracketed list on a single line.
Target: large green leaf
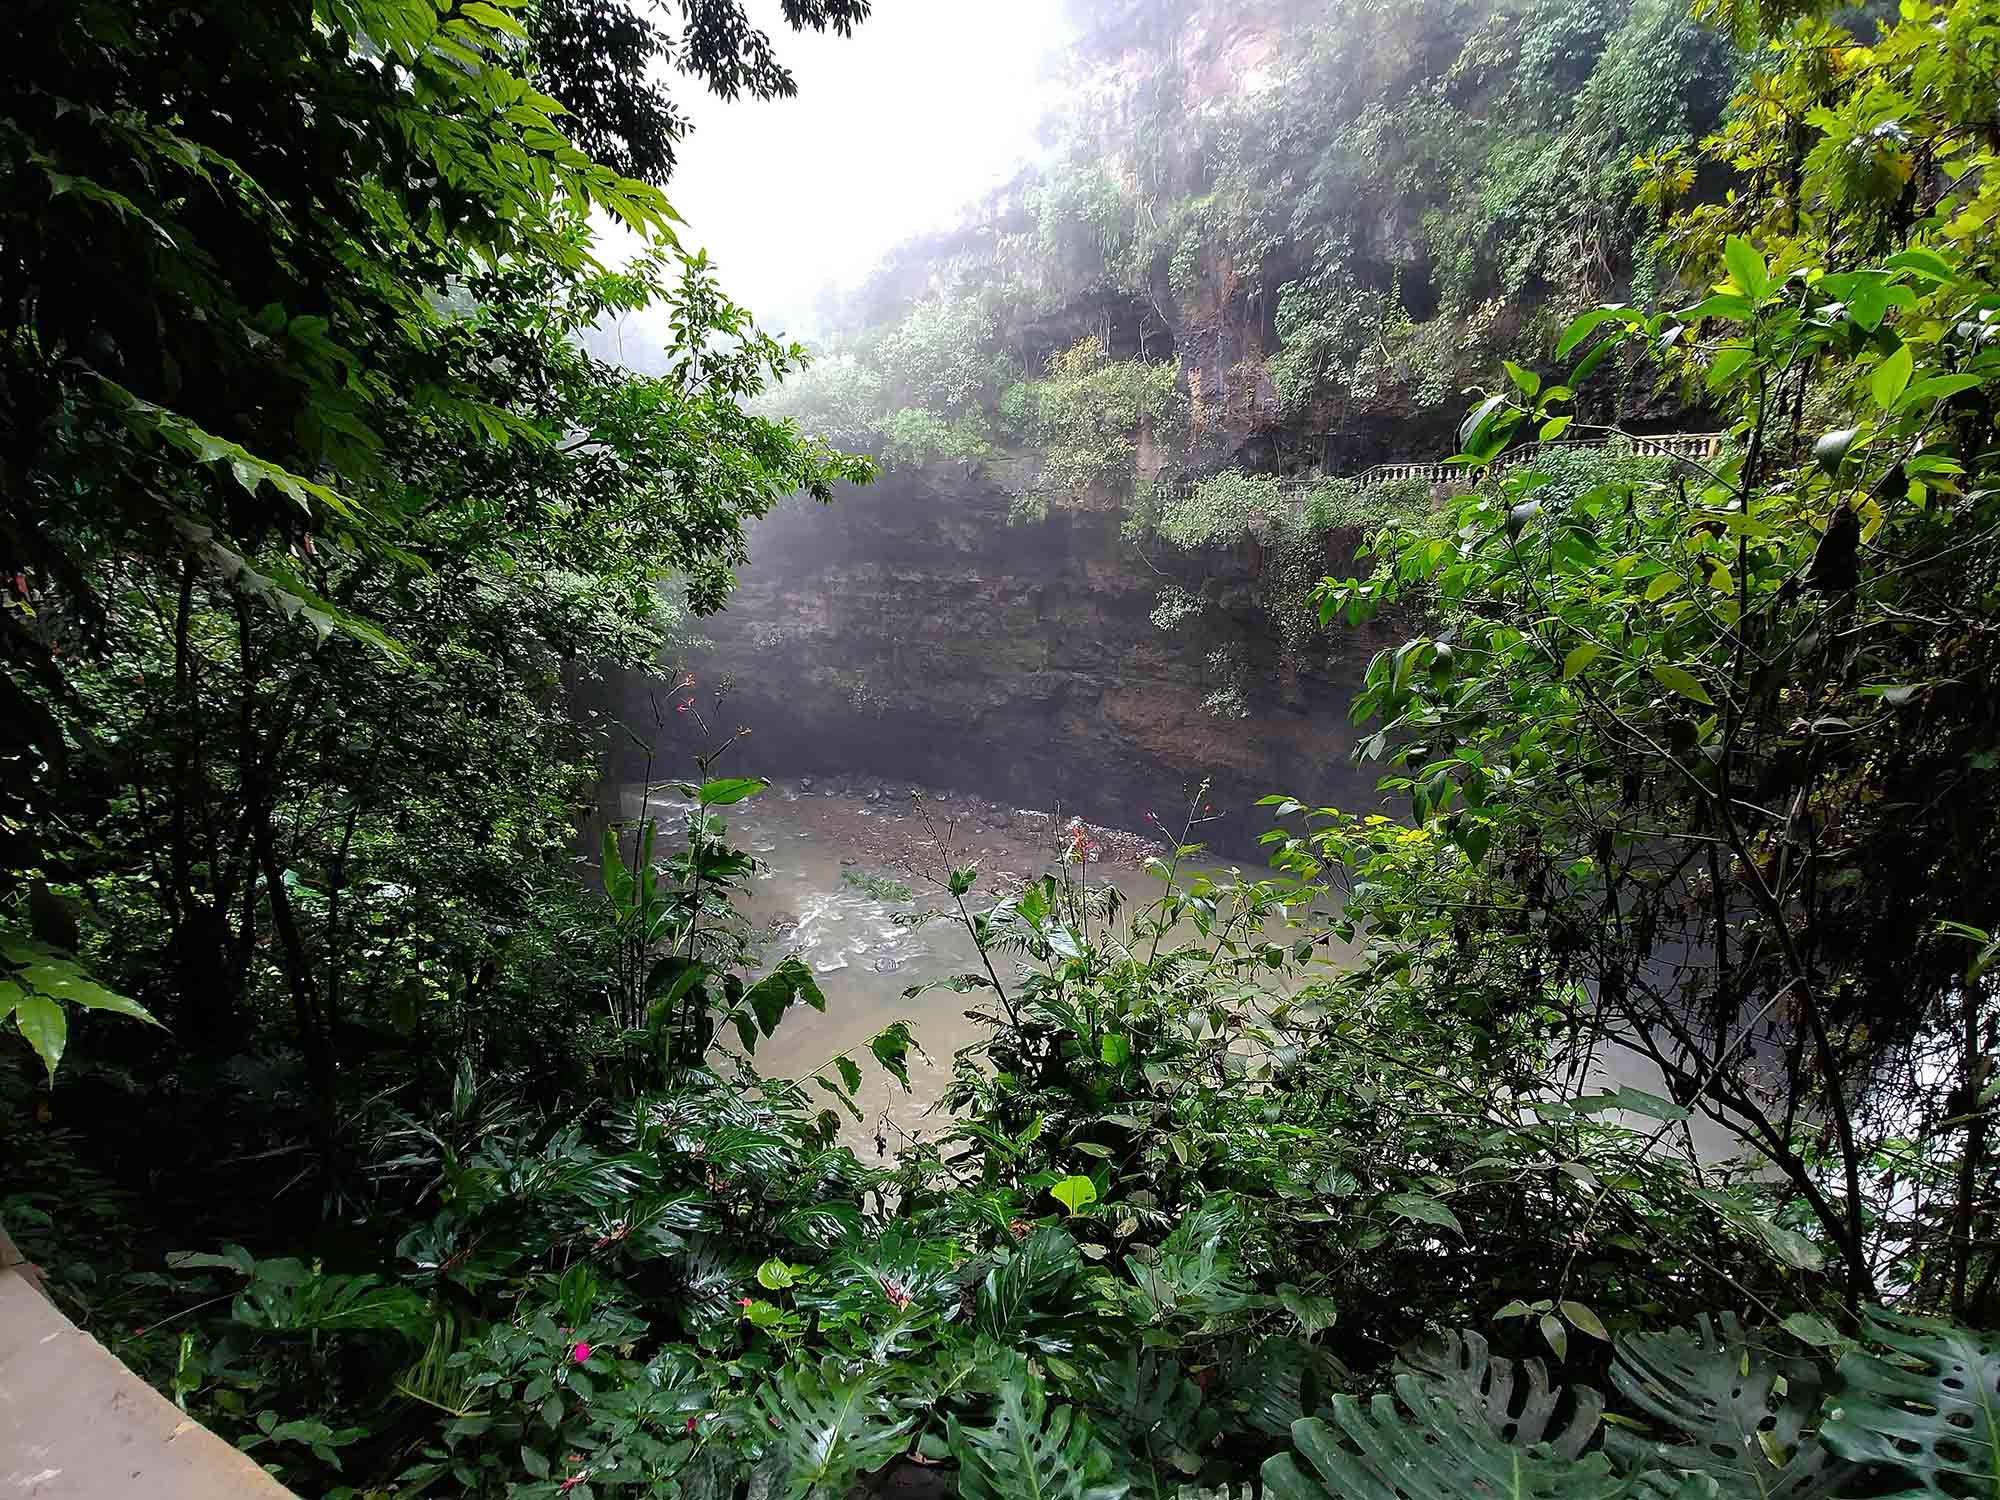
[(1728, 1407), (1035, 1299), (1277, 1380), (832, 1426), (617, 879), (1195, 1276), (770, 997), (42, 1022), (1515, 1400), (1033, 1451), (60, 977), (1426, 1450), (286, 1296), (726, 790), (1925, 1400), (1150, 1408)]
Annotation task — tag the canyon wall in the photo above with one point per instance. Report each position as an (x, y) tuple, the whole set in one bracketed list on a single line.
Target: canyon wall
[(908, 632)]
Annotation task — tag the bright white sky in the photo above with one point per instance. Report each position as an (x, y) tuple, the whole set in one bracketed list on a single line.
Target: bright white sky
[(925, 107)]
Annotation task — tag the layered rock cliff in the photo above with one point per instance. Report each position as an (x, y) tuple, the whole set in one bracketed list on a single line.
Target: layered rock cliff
[(909, 632), (1267, 238)]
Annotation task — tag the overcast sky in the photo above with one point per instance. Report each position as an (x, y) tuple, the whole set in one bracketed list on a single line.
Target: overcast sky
[(927, 105)]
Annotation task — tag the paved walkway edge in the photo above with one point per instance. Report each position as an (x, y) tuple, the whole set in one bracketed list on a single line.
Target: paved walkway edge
[(75, 1424)]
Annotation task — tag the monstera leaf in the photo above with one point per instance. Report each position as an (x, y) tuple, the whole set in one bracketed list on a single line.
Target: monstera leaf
[(1195, 1277), (1036, 1298), (1434, 1452), (1151, 1409), (831, 1426), (1743, 1415), (1929, 1404), (1277, 1380), (1032, 1451), (1458, 1367)]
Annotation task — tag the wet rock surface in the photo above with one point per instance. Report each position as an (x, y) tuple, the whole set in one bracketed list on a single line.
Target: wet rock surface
[(908, 634)]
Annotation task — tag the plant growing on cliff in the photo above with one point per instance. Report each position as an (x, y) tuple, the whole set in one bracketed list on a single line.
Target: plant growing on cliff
[(1092, 413)]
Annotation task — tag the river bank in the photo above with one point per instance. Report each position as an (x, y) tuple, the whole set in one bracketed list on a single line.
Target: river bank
[(851, 879)]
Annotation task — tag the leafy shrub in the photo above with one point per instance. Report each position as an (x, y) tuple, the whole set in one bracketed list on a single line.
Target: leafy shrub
[(838, 399), (941, 358), (1089, 414), (916, 436), (1221, 509), (1083, 218), (1176, 606)]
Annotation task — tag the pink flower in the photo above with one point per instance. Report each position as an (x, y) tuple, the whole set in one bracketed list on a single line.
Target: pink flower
[(690, 1424), (744, 1303), (683, 708), (580, 1353)]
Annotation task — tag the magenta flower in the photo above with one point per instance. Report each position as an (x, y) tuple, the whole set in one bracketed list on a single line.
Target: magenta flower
[(580, 1353)]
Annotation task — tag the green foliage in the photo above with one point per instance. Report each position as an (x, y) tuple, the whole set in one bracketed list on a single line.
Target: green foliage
[(1293, 523), (36, 985), (1921, 1401), (1176, 607), (1458, 1367), (1082, 215), (1727, 1423), (1433, 1452), (282, 837), (1751, 1412), (833, 1426), (941, 359), (1091, 414), (1697, 759), (1032, 1451), (1651, 699), (913, 436), (838, 398), (1218, 510), (1350, 229)]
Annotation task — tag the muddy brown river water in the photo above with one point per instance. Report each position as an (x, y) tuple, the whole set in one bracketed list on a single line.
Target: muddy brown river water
[(840, 861)]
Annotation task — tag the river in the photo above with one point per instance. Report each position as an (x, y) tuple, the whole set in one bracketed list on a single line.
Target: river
[(841, 859)]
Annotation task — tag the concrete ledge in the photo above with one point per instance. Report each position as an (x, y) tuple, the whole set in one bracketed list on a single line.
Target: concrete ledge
[(75, 1424)]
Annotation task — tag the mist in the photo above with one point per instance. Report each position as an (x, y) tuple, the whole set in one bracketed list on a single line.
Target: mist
[(893, 131)]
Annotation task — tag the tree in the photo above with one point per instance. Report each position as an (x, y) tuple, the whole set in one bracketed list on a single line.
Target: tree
[(1705, 763), (294, 308), (601, 58)]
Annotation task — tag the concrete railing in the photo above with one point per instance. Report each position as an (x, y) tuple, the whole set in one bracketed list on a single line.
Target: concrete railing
[(75, 1424), (1694, 447), (1690, 447)]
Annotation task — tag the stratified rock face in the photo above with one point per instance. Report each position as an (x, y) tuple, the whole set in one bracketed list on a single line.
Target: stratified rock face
[(908, 631)]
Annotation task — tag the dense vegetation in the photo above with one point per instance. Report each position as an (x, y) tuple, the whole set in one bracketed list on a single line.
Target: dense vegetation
[(342, 1110), (1269, 237), (1285, 218)]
